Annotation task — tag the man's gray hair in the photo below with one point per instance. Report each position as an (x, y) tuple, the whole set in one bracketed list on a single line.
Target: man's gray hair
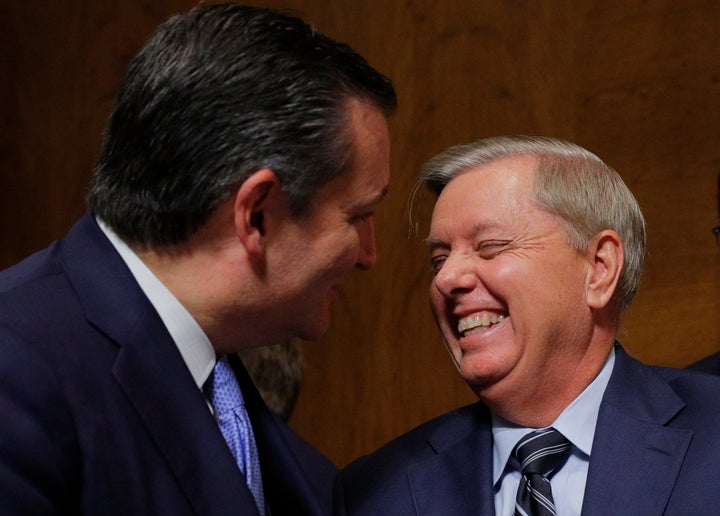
[(572, 184)]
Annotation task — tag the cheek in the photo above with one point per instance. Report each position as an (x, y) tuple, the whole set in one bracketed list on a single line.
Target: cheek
[(563, 288), (519, 284), (339, 253), (349, 250)]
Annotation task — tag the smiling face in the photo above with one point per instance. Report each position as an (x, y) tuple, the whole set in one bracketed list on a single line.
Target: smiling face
[(509, 293), (315, 252)]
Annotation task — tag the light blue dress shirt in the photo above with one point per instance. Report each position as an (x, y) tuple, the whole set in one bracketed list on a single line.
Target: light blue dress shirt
[(577, 423)]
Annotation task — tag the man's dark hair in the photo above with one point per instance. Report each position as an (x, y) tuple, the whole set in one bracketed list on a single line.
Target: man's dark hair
[(215, 95)]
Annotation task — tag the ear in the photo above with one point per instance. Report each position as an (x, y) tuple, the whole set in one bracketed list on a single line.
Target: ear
[(607, 257), (251, 201)]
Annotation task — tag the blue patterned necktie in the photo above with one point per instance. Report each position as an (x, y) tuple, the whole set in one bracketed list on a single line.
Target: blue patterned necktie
[(540, 454), (236, 428)]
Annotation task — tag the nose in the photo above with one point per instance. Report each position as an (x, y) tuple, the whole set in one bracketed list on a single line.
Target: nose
[(455, 276), (367, 255)]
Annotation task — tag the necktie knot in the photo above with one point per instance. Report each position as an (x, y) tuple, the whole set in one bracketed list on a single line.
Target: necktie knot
[(540, 454), (542, 451), (226, 394)]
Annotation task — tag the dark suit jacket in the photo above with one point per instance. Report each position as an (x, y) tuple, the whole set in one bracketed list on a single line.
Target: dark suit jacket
[(709, 364), (100, 414), (656, 451)]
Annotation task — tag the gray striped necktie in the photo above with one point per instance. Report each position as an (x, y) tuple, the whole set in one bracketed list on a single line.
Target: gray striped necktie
[(540, 454)]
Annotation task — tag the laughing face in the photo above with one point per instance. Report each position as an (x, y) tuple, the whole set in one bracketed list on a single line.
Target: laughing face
[(509, 293)]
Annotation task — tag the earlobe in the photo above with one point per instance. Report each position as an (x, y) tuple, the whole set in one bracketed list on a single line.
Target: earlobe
[(251, 202), (607, 257)]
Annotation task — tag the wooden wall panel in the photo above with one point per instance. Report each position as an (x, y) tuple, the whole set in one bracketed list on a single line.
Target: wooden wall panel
[(638, 82), (648, 101), (61, 65)]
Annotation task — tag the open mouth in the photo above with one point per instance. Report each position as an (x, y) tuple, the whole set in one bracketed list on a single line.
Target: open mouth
[(478, 322)]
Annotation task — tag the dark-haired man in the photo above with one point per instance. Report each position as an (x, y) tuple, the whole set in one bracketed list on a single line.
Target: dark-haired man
[(238, 176)]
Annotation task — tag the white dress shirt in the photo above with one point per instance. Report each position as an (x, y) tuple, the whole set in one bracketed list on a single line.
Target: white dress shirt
[(577, 423), (194, 346)]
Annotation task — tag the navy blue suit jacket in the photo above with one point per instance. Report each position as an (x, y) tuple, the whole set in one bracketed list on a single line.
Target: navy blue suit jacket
[(100, 413), (709, 364), (656, 451)]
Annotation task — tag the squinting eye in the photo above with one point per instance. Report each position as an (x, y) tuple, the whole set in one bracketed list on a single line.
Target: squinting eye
[(436, 263), (491, 248)]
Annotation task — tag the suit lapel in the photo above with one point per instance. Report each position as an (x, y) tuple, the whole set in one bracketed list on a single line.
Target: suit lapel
[(635, 459), (458, 480), (176, 415), (153, 376)]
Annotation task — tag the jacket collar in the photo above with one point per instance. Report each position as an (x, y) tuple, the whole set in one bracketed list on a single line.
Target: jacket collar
[(150, 371), (634, 452), (456, 480)]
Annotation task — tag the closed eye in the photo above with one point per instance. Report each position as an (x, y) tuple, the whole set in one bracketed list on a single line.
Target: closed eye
[(489, 249)]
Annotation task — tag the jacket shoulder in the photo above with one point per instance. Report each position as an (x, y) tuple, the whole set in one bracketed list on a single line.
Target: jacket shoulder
[(380, 477), (424, 440)]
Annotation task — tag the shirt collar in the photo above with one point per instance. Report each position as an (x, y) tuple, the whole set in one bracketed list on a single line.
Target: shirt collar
[(192, 343), (577, 422)]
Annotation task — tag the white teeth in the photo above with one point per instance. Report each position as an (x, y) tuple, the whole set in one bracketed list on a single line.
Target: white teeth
[(478, 322)]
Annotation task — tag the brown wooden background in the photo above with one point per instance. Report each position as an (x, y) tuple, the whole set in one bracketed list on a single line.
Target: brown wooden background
[(637, 82)]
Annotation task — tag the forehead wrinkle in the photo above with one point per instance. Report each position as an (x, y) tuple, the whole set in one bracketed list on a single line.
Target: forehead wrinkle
[(482, 227)]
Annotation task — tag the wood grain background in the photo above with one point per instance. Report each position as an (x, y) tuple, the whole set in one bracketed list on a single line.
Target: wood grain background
[(637, 82)]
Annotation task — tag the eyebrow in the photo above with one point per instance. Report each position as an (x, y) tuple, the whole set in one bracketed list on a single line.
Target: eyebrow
[(432, 241), (375, 200), (380, 196), (369, 203)]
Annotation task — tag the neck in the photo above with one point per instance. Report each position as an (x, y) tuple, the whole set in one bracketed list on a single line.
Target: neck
[(200, 272), (540, 403)]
